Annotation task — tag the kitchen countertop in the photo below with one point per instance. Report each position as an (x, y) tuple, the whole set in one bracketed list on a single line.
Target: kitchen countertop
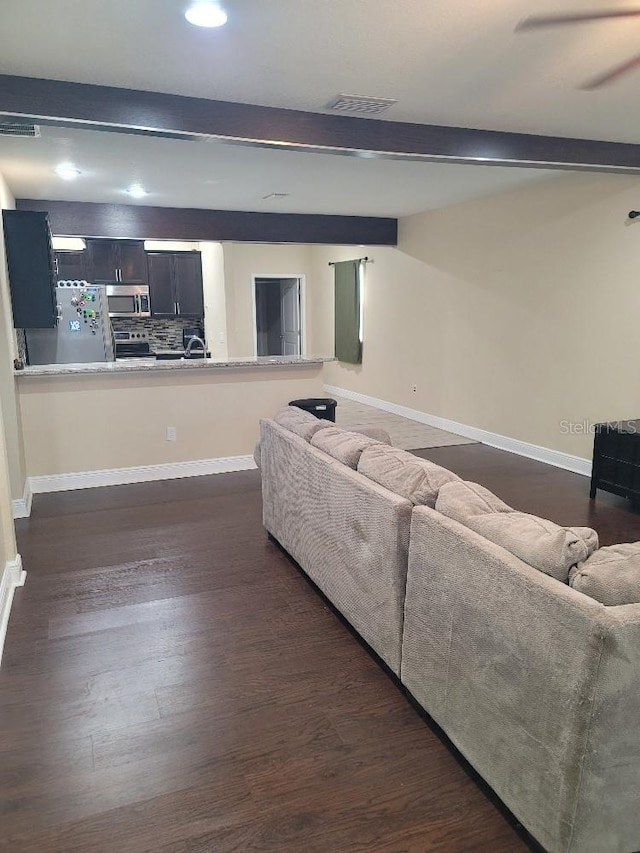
[(150, 365)]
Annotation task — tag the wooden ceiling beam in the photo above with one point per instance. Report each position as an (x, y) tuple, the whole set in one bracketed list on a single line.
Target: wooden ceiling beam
[(89, 106)]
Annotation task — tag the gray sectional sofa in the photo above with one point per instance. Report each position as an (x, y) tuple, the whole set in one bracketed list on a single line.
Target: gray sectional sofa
[(470, 604)]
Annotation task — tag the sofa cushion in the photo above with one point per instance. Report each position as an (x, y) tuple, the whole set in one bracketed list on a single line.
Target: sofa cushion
[(407, 475), (343, 445), (300, 422), (379, 434), (611, 575), (462, 499), (542, 544)]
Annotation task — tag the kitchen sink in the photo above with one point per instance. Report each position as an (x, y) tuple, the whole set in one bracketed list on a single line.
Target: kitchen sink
[(177, 356)]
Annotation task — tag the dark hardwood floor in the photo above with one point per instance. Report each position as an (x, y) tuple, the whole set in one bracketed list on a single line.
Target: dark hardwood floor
[(171, 682)]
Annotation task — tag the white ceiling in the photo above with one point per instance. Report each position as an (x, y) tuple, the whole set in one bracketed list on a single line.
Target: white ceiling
[(222, 176), (447, 61)]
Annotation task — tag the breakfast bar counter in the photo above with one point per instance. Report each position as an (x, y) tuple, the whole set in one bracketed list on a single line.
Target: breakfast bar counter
[(128, 421), (137, 365)]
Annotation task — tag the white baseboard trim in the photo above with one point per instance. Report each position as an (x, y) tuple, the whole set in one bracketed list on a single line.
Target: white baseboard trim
[(143, 474), (22, 506), (13, 576), (577, 464)]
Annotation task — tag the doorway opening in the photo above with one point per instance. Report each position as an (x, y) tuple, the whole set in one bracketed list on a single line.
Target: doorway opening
[(278, 314)]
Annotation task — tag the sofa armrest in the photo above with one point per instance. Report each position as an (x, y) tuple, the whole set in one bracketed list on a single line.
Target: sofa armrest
[(508, 661)]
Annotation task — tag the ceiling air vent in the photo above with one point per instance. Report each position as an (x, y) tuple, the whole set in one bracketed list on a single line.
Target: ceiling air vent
[(361, 104), (12, 128)]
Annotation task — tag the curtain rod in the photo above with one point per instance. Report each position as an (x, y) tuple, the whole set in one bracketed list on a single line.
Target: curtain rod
[(365, 260)]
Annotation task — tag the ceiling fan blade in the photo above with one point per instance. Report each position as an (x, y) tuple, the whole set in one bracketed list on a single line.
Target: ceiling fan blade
[(535, 21), (612, 74)]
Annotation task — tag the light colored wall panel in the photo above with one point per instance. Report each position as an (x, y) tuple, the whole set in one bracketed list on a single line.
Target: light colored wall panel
[(518, 313), (215, 311), (8, 350), (87, 423), (241, 261)]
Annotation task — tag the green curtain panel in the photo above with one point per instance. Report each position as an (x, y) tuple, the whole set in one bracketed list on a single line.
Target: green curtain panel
[(347, 295)]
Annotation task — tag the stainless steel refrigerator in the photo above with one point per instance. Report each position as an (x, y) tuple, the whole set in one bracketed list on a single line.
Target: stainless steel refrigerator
[(83, 333)]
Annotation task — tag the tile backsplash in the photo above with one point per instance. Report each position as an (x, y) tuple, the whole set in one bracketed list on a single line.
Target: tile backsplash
[(161, 334), (22, 345)]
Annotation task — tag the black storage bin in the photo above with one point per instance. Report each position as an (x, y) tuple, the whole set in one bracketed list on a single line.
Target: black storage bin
[(321, 407)]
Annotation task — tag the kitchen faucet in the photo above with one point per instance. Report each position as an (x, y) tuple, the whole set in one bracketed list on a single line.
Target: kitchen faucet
[(193, 340)]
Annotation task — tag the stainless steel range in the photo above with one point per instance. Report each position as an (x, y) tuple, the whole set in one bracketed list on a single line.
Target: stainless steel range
[(132, 345)]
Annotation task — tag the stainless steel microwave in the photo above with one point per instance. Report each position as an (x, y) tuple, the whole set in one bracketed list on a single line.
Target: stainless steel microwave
[(128, 300)]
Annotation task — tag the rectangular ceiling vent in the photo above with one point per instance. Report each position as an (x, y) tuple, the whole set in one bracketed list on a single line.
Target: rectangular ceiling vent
[(361, 104), (12, 128)]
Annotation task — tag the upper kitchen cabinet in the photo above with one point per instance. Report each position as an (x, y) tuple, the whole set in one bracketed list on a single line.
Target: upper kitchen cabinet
[(116, 260), (71, 266), (133, 260), (31, 267), (175, 284), (189, 293), (161, 284)]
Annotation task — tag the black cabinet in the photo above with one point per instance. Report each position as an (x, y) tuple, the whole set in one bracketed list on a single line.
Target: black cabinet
[(188, 277), (161, 286), (71, 266), (31, 267), (175, 284), (616, 459), (132, 260), (116, 260)]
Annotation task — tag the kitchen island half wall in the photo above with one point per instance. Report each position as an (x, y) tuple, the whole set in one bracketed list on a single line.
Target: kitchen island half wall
[(108, 428)]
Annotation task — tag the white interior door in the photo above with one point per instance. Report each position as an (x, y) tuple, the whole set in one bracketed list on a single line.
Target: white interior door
[(290, 316)]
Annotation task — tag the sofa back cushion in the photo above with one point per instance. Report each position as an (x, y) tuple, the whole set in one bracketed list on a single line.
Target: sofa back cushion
[(407, 475), (378, 433), (462, 499), (611, 575), (542, 544), (300, 422), (343, 445)]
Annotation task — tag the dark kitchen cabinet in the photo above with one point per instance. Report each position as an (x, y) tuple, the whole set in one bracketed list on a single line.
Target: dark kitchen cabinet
[(133, 260), (71, 266), (31, 267), (175, 284), (161, 288), (116, 260), (102, 263), (189, 293)]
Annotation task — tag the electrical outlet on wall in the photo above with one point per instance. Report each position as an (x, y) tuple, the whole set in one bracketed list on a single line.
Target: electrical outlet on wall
[(172, 435), (414, 388)]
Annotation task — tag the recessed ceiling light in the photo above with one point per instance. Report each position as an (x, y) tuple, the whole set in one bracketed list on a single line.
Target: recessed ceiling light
[(204, 13), (67, 171), (136, 191)]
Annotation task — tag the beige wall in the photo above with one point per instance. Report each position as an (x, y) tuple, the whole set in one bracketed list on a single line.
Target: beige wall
[(215, 311), (512, 313), (8, 398), (241, 261), (8, 410), (88, 423)]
